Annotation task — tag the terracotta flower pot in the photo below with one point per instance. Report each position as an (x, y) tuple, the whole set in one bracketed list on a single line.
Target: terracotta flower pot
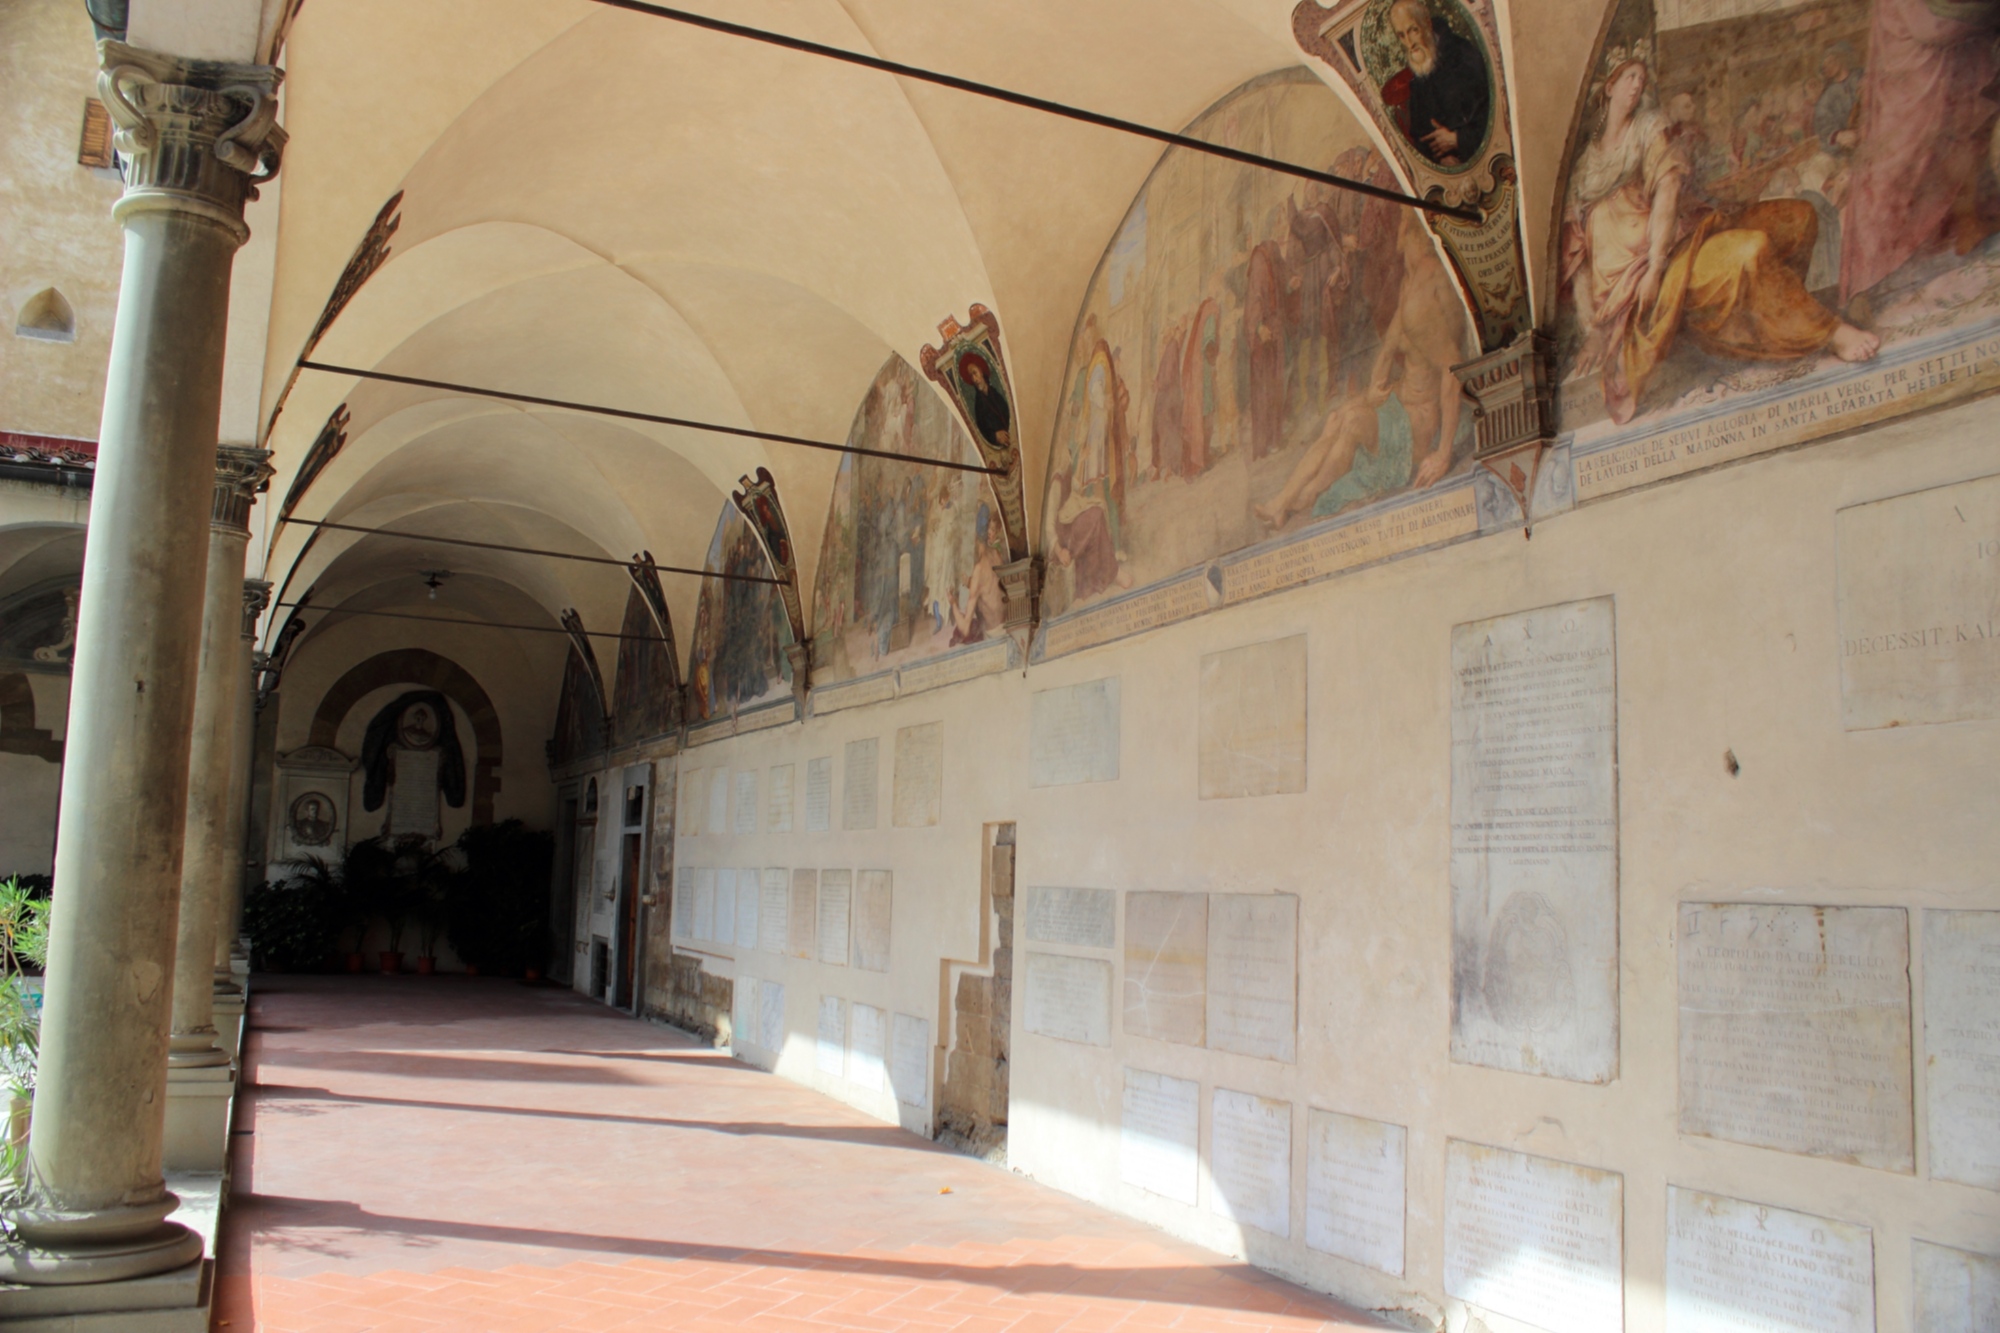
[(392, 962), (427, 965), (531, 974), (472, 969), (355, 961)]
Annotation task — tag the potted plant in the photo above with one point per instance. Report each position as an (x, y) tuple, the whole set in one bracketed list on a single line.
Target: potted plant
[(432, 886), (498, 919), (24, 944), (291, 921)]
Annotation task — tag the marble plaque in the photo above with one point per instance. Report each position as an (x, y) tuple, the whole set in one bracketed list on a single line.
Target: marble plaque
[(1087, 918), (1920, 606), (771, 1016), (1534, 843), (1355, 1189), (1159, 1135), (1253, 966), (1127, 615), (1795, 1029), (1534, 1239), (1734, 1266), (1956, 1291), (704, 905), (819, 794), (1073, 734), (1253, 720), (836, 904), (1069, 998), (831, 1049), (778, 810), (874, 908), (743, 1011), (865, 1058), (413, 795), (746, 801), (858, 783), (718, 801), (748, 890), (802, 939), (1250, 1160), (725, 907), (910, 1060), (694, 798), (1166, 966), (988, 659), (684, 903), (1962, 1046), (774, 911), (918, 795)]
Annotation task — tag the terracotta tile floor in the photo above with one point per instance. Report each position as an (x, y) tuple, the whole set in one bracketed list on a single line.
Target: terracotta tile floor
[(455, 1154)]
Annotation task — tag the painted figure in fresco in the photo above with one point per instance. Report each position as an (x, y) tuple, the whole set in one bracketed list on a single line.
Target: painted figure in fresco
[(984, 605), (1167, 452), (943, 560), (1266, 322), (1643, 265), (747, 653), (1091, 489), (1402, 429), (1441, 98), (1926, 140), (990, 410), (1200, 389)]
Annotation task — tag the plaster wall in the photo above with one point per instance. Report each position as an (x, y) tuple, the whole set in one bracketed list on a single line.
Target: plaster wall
[(1727, 641)]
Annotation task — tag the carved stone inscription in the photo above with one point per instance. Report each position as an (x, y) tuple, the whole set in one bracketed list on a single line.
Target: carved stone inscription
[(1354, 1189), (832, 1048), (858, 784), (743, 1011), (836, 902), (1736, 1265), (1962, 1045), (1250, 1156), (779, 809), (694, 797), (1159, 1134), (802, 940), (1795, 1029), (918, 796), (1534, 1239), (1083, 917), (704, 905), (746, 801), (718, 801), (1166, 966), (1534, 843), (1253, 965), (865, 1058), (1069, 998), (874, 906), (725, 906), (1920, 606), (819, 795), (910, 1060), (1073, 734), (747, 895), (774, 912), (1253, 720), (771, 1016), (1957, 1291)]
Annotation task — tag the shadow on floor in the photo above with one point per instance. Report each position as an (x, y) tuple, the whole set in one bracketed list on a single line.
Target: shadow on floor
[(450, 1065)]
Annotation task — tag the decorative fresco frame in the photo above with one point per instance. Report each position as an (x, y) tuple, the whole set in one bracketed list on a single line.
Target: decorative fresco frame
[(989, 412)]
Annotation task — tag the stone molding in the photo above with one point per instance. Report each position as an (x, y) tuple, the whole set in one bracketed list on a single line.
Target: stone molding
[(241, 473), (256, 597)]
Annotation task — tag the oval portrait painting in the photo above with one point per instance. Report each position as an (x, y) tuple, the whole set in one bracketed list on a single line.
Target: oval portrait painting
[(1429, 62)]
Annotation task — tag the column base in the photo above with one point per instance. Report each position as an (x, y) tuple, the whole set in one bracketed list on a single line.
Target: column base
[(177, 1300), (198, 1105), (229, 1023), (60, 1249)]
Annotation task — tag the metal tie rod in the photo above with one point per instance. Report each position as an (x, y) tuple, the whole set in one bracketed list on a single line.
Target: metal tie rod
[(628, 415), (1045, 105), (468, 624), (531, 550)]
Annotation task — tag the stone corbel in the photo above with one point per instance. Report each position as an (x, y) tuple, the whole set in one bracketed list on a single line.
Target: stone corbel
[(1021, 586), (256, 598), (1512, 392), (799, 655)]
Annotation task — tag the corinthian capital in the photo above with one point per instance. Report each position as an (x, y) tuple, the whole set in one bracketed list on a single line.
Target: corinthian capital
[(196, 135), (240, 473), (256, 596)]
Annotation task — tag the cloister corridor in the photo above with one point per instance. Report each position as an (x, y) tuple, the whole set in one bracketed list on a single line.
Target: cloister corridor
[(464, 1154)]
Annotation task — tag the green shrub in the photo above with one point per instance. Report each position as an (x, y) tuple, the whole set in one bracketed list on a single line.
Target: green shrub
[(497, 904), (292, 922)]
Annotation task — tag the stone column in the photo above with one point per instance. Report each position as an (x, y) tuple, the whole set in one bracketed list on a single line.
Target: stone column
[(194, 134), (230, 996)]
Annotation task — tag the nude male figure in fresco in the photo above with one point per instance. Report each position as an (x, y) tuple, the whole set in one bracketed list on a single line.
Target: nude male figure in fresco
[(1399, 432)]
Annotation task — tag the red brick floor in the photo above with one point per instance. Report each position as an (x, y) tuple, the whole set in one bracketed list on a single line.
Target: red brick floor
[(451, 1154)]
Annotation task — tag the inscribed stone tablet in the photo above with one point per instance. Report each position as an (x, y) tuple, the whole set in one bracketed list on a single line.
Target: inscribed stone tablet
[(1534, 1239), (779, 810), (1354, 1189), (684, 903), (771, 1016), (918, 797), (1795, 1029), (1250, 1159), (774, 912), (743, 1011), (1159, 1134), (1920, 606), (747, 892), (1956, 1291), (819, 794), (694, 796), (836, 902), (1253, 720), (857, 785), (910, 1060), (746, 801), (1735, 1266), (1073, 734), (1534, 843), (871, 1044), (725, 906), (874, 906), (1069, 998), (1253, 964), (1962, 1045), (1086, 917), (413, 796), (718, 801), (704, 905), (1166, 966), (803, 937), (832, 1046)]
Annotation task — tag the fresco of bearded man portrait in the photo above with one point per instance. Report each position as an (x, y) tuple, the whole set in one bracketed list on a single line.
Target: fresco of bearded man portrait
[(1429, 64)]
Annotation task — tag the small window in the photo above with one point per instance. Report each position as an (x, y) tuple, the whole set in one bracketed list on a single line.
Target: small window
[(94, 150), (47, 316), (635, 807), (590, 798)]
